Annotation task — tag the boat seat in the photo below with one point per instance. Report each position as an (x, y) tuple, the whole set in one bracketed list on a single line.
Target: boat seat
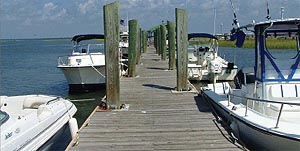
[(33, 103), (280, 91), (285, 92), (287, 108), (220, 88)]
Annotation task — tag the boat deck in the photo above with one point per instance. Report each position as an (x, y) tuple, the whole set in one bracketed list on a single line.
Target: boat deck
[(157, 119)]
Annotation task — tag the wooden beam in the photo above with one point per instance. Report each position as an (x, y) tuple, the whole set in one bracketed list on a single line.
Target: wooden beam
[(182, 56), (159, 41), (111, 45), (132, 49), (171, 44), (163, 42), (138, 40), (145, 41)]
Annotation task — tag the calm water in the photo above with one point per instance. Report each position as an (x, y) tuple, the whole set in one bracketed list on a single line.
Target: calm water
[(29, 67)]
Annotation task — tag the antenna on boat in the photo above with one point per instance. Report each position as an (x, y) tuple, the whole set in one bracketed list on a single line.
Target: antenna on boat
[(268, 11), (215, 17), (235, 20)]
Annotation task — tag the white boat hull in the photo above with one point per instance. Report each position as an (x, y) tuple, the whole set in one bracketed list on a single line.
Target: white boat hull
[(84, 78), (251, 135), (256, 138), (34, 121)]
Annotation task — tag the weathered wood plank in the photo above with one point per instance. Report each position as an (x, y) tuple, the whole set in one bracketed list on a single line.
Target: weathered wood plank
[(132, 50), (171, 44), (163, 42), (182, 46), (111, 44)]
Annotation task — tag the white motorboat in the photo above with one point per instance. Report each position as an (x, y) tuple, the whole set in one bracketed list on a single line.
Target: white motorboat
[(124, 39), (204, 62), (264, 114), (35, 122), (123, 48), (84, 69)]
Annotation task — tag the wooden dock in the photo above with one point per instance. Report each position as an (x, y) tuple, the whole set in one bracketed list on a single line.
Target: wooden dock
[(157, 119)]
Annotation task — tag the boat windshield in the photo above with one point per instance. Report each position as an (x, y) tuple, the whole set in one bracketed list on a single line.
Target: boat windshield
[(282, 55), (3, 117), (124, 39), (89, 48)]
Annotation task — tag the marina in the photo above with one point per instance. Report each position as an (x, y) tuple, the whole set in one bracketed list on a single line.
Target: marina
[(158, 117)]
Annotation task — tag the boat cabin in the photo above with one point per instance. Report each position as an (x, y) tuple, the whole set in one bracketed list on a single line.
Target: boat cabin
[(88, 44), (276, 72)]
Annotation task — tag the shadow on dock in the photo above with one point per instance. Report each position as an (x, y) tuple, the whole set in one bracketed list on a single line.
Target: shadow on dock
[(223, 127), (157, 68), (158, 87), (202, 105)]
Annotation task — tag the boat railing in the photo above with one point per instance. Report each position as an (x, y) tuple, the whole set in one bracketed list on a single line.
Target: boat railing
[(230, 95), (53, 100), (62, 60)]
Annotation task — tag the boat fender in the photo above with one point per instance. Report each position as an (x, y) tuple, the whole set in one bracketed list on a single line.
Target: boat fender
[(235, 130), (73, 127)]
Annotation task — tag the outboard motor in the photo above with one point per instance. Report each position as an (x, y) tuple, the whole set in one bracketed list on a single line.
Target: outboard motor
[(214, 67), (230, 66), (242, 78), (239, 79)]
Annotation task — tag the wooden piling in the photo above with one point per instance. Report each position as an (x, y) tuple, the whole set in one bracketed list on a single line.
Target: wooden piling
[(171, 44), (145, 41), (155, 41), (111, 44), (163, 42), (159, 40), (133, 29), (138, 52), (182, 46)]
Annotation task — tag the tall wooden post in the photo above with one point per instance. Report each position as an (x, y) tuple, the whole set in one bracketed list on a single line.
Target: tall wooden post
[(111, 44), (138, 41), (133, 29), (171, 44), (145, 41), (155, 40), (159, 40), (182, 46), (163, 42)]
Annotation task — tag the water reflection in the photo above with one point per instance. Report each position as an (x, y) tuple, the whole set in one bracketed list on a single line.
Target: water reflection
[(85, 103)]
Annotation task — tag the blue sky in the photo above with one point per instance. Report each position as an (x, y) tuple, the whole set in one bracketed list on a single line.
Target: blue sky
[(65, 18)]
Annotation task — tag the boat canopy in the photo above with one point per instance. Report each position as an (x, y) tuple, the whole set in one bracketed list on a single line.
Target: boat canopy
[(79, 38), (201, 35), (279, 68)]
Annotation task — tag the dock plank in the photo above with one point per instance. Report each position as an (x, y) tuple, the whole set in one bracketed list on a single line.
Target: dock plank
[(157, 119)]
